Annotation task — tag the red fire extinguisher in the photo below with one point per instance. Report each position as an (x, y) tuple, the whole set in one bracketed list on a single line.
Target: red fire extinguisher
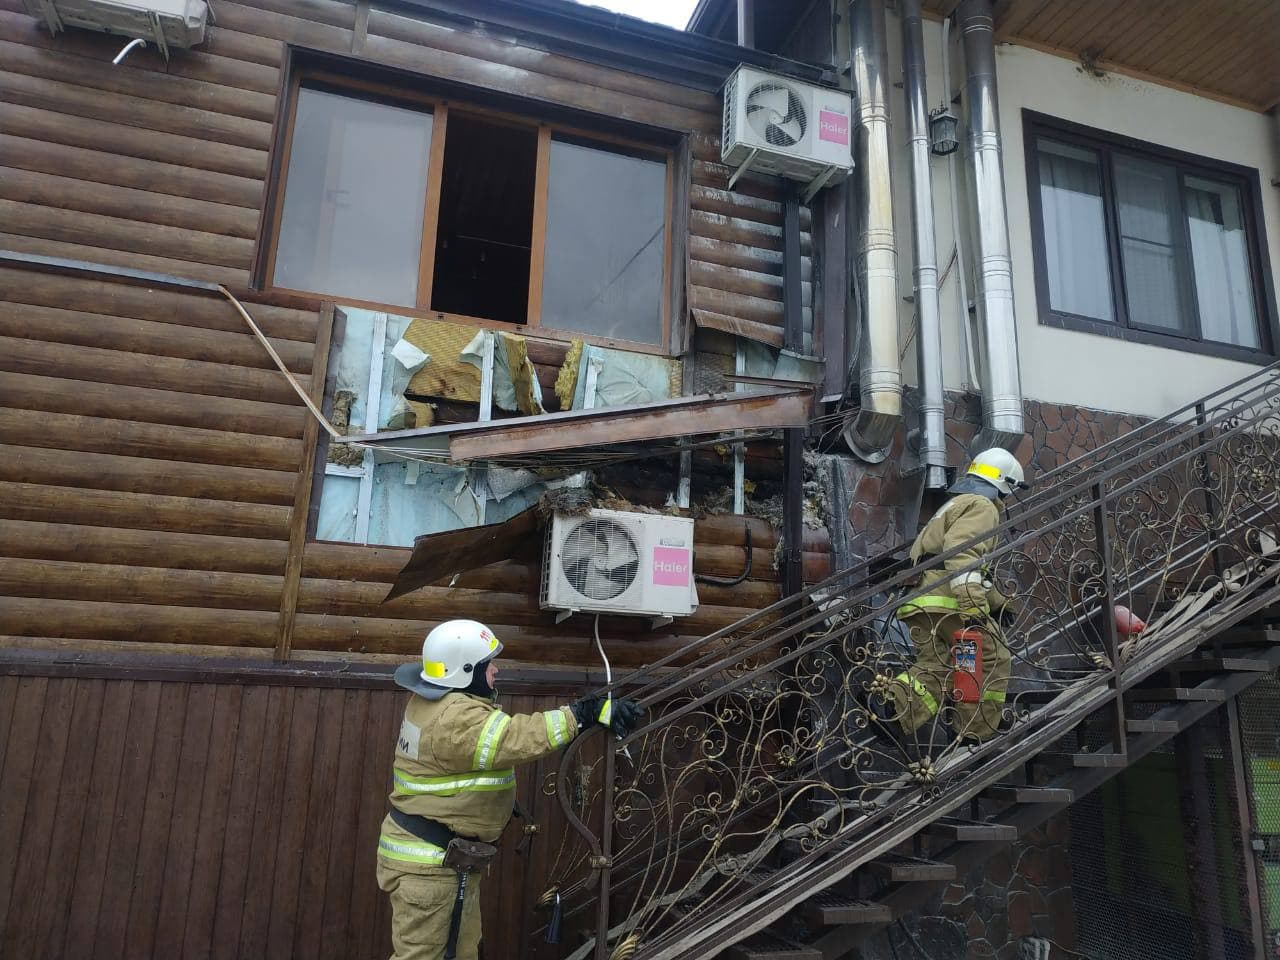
[(966, 666)]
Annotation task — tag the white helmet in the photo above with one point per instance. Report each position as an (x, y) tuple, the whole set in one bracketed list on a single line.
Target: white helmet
[(998, 467), (453, 651)]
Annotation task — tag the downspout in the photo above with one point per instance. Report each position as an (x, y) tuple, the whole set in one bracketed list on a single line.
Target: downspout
[(1002, 424), (933, 441), (869, 431)]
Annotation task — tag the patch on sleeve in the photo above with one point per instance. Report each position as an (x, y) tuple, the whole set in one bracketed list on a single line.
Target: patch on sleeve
[(409, 740)]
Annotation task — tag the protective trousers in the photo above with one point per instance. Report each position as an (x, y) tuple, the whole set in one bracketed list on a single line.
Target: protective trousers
[(421, 905), (921, 691)]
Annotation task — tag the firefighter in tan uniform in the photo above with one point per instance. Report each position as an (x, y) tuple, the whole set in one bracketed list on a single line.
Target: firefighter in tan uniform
[(954, 600), (454, 780)]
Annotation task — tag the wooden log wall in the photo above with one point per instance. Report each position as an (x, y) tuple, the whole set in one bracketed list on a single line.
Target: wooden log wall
[(161, 166), (150, 467), (152, 457), (149, 818)]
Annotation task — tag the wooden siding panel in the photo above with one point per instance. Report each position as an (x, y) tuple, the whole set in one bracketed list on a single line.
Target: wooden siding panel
[(126, 822), (21, 243), (43, 123), (21, 767), (217, 423), (102, 471), (331, 914), (140, 548), (150, 176), (195, 778), (214, 920), (20, 53), (34, 834), (96, 839), (113, 299), (113, 106), (69, 193), (234, 453), (158, 818), (226, 59), (129, 236), (71, 825), (319, 814)]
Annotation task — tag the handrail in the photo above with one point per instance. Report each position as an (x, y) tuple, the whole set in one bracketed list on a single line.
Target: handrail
[(739, 735), (792, 604)]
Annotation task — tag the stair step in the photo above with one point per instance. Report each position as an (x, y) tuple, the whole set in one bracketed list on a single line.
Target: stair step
[(1222, 665), (1016, 793), (1090, 760), (1152, 725), (1248, 636), (764, 946), (969, 831), (830, 910), (911, 870), (1202, 694)]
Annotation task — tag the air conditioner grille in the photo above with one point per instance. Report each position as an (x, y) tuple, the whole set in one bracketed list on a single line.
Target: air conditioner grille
[(599, 559), (777, 114)]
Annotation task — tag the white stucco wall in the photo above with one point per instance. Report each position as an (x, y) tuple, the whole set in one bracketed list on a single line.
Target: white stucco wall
[(1067, 366)]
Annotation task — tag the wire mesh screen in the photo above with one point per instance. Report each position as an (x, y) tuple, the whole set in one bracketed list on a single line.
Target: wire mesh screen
[(1157, 860), (1260, 731)]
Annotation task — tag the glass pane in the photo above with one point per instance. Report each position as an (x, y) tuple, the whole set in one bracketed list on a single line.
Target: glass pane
[(1075, 232), (606, 232), (1224, 287), (352, 219), (1151, 245)]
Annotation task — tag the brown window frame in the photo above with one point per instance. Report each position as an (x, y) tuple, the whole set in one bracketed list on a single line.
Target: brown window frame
[(439, 107), (1107, 145)]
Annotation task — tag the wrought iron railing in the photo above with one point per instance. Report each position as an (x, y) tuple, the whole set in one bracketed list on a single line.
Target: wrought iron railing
[(761, 776)]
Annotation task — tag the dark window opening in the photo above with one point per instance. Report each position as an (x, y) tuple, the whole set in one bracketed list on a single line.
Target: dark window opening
[(486, 220)]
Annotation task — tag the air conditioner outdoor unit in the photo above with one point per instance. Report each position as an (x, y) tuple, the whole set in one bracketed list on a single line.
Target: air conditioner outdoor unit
[(166, 23), (780, 126), (609, 561)]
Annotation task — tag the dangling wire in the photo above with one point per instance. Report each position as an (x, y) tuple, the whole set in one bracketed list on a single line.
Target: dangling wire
[(608, 678)]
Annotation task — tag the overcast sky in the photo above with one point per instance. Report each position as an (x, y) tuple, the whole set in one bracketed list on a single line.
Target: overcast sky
[(674, 13)]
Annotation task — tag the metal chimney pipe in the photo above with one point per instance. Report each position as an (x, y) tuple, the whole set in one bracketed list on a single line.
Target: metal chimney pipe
[(933, 443), (869, 432), (1002, 424)]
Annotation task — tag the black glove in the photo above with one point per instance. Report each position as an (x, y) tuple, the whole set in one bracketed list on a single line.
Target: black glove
[(621, 718)]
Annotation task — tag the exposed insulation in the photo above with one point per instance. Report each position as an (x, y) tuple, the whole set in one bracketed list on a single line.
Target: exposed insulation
[(567, 378), (446, 375)]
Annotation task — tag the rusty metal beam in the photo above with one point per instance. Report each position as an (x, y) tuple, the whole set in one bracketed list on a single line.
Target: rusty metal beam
[(705, 414)]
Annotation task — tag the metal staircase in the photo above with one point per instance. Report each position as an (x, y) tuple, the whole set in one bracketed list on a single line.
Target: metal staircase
[(763, 810)]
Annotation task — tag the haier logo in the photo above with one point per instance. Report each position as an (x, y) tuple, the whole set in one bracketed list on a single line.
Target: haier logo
[(833, 127), (671, 567)]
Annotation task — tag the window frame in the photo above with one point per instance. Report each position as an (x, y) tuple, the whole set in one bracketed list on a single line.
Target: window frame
[(1106, 145), (409, 95)]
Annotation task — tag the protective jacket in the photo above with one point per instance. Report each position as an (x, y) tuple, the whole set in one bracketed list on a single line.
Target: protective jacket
[(960, 519), (453, 764)]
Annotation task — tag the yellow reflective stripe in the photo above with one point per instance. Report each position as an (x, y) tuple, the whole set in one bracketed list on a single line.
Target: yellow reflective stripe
[(433, 668), (447, 786), (557, 727), (934, 601), (993, 696), (606, 712), (410, 851), (920, 691), (984, 470), (487, 747)]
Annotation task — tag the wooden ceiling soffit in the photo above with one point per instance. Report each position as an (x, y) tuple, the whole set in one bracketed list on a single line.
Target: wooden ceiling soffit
[(702, 415), (751, 329), (437, 556)]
